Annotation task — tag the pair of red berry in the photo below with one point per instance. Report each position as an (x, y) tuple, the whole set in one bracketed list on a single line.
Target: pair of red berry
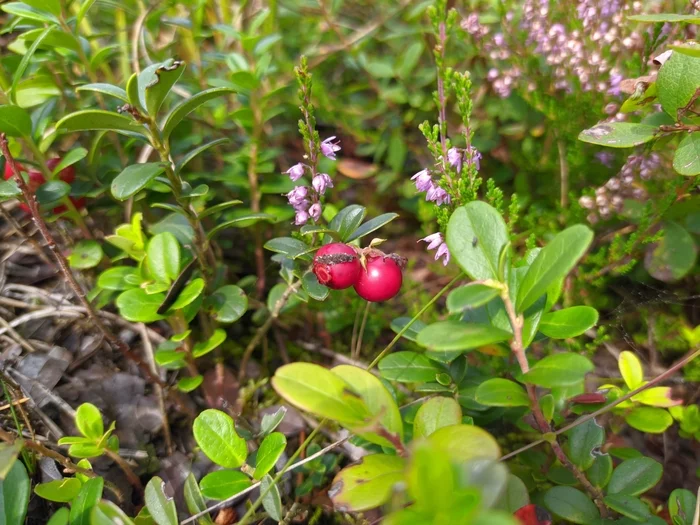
[(338, 266), (35, 179)]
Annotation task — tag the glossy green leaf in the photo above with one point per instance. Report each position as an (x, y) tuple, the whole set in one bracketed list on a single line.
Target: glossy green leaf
[(97, 119), (677, 81), (163, 257), (22, 67), (571, 504), (674, 256), (30, 13), (188, 295), (89, 421), (134, 178), (248, 218), (60, 517), (156, 81), (287, 245), (649, 419), (50, 6), (105, 89), (87, 498), (455, 335), (188, 384), (585, 441), (216, 435), (686, 160), (107, 513), (15, 490), (270, 421), (465, 442), (631, 369), (195, 500), (269, 452), (9, 189), (51, 192), (161, 508), (58, 490), (470, 296), (398, 324), (600, 472), (311, 286), (272, 501), (372, 225), (434, 414), (347, 221), (553, 262), (118, 278), (628, 506), (635, 476), (408, 367), (476, 237), (319, 391), (204, 347), (222, 484), (85, 254), (15, 121), (516, 495), (227, 304), (187, 106), (137, 306), (8, 456), (499, 392), (430, 477), (619, 134), (367, 484), (199, 149), (681, 506), (556, 370), (568, 322)]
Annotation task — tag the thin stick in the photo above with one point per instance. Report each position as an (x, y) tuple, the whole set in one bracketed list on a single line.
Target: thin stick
[(31, 240), (113, 340), (126, 468)]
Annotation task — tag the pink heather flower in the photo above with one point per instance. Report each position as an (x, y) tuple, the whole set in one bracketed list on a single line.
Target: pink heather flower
[(301, 217), (328, 147), (296, 172), (423, 180), (434, 240), (297, 195), (454, 157), (444, 252), (320, 182), (437, 195), (315, 211), (475, 157)]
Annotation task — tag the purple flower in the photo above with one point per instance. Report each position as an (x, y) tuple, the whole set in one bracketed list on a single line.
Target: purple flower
[(315, 211), (606, 158), (423, 180), (320, 182), (454, 157), (437, 195), (301, 217), (443, 251), (297, 195), (328, 147), (434, 240), (296, 172), (475, 155)]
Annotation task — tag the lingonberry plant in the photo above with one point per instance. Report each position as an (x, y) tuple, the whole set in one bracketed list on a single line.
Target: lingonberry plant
[(157, 202)]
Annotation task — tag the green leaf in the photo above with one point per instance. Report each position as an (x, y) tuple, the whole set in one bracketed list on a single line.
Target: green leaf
[(52, 191), (22, 10), (681, 506), (134, 178), (311, 286), (222, 484), (118, 278), (585, 441), (372, 225), (105, 89), (9, 189), (658, 18), (204, 347), (287, 245), (192, 154), (161, 508), (255, 217), (619, 134), (367, 484), (272, 502), (434, 414), (227, 304), (568, 322), (187, 106), (398, 324), (317, 390), (631, 369), (649, 419), (476, 237), (600, 472), (22, 67), (194, 500), (15, 121), (690, 49), (673, 256), (571, 504), (60, 517), (465, 442), (553, 262), (215, 210), (376, 398), (89, 421), (156, 81), (8, 456), (347, 221), (499, 392), (189, 294), (456, 335), (72, 157), (87, 498), (188, 384), (163, 257), (216, 435), (271, 421), (269, 452), (516, 495), (686, 160), (677, 81), (107, 513), (85, 254), (84, 8), (430, 479), (559, 370), (137, 306), (59, 490), (470, 296), (628, 506), (408, 367), (15, 490), (50, 6), (635, 476), (97, 119)]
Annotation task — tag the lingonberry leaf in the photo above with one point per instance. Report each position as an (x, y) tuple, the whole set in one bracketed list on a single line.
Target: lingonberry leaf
[(408, 367), (434, 414), (15, 490), (160, 507), (187, 106), (269, 452), (568, 322), (635, 476), (87, 498), (58, 490), (134, 178), (222, 484), (195, 500), (216, 435), (367, 484), (571, 504), (498, 392)]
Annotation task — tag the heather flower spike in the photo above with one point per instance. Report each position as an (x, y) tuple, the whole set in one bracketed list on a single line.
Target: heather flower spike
[(301, 218), (423, 180), (296, 172), (315, 211), (320, 182), (328, 147), (434, 241), (454, 157)]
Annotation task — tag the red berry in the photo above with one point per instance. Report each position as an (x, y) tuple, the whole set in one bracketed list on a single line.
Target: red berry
[(337, 266), (381, 280), (66, 175), (533, 515)]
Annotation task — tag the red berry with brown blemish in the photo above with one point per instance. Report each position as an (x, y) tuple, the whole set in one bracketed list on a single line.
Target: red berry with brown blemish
[(381, 279), (337, 266)]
